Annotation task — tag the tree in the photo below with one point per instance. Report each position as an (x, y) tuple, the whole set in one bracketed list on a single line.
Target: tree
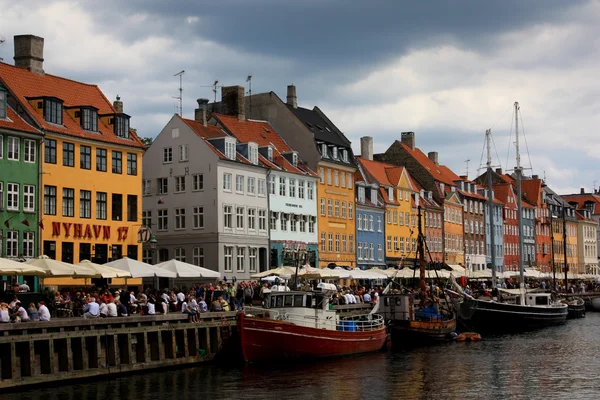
[(146, 140)]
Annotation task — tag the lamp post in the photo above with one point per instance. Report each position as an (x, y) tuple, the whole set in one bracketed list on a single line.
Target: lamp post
[(468, 265), (153, 243)]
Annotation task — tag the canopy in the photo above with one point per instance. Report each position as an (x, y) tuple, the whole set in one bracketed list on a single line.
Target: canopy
[(10, 268), (276, 271), (325, 273), (185, 270), (139, 269), (60, 269), (103, 271), (366, 274), (390, 272), (457, 270)]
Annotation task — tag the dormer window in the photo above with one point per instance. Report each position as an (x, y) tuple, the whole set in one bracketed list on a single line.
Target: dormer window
[(122, 126), (295, 159), (345, 155), (270, 154), (53, 110), (324, 151), (361, 194), (89, 119), (2, 103), (334, 153), (230, 148), (253, 153), (374, 196), (391, 194)]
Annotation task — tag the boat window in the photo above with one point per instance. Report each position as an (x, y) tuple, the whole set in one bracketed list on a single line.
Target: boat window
[(289, 301), (541, 300), (298, 300), (308, 301), (398, 301), (279, 301), (386, 301)]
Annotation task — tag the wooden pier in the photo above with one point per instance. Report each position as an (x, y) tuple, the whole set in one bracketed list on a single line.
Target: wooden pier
[(38, 352)]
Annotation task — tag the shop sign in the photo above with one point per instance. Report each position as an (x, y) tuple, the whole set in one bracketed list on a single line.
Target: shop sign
[(86, 231)]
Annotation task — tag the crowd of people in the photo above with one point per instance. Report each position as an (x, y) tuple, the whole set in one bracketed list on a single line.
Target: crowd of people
[(15, 312)]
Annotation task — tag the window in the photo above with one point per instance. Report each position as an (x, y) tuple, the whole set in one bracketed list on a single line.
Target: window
[(49, 200), (302, 224), (351, 243), (240, 259), (30, 151), (12, 244), (146, 187), (262, 220), (198, 217), (329, 207), (292, 188), (350, 211), (344, 209), (68, 203), (197, 182), (310, 190), (179, 218), (68, 154), (131, 164), (273, 221), (53, 111), (271, 184), (391, 194), (328, 176), (251, 183), (117, 207), (49, 151), (101, 160), (371, 223), (322, 175), (330, 242), (343, 180), (180, 254), (89, 119), (13, 148), (28, 243), (228, 216), (389, 217), (261, 187), (396, 217), (253, 154), (163, 220), (167, 155), (282, 186), (28, 198), (359, 222), (379, 223), (336, 178), (361, 194), (349, 181), (283, 221), (85, 204), (2, 103), (227, 182), (334, 152), (293, 224), (179, 184), (337, 242), (122, 126), (252, 219), (344, 244), (117, 162), (183, 152), (239, 223), (146, 217), (132, 207), (198, 257), (162, 185), (337, 208), (323, 247), (85, 157), (228, 252), (379, 252), (300, 189), (230, 148), (322, 206), (324, 150), (396, 248), (345, 155), (101, 199), (252, 252), (389, 243)]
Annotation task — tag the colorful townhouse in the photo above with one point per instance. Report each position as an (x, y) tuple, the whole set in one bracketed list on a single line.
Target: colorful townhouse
[(433, 216), (495, 229), (397, 193), (323, 147), (533, 193), (370, 214), (510, 228), (589, 201), (431, 176), (90, 186), (291, 187), (587, 255), (205, 197), (474, 218), (564, 225)]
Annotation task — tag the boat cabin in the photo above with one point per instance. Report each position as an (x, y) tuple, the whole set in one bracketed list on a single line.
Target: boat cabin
[(532, 298)]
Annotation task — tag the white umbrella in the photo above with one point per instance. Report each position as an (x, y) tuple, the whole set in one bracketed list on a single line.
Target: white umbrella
[(185, 270), (60, 269), (14, 268), (276, 271), (325, 273), (139, 269), (103, 271)]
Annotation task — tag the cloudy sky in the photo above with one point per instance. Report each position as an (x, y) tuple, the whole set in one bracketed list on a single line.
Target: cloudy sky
[(446, 70)]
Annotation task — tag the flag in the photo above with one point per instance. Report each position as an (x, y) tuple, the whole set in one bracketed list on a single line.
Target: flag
[(25, 222), (41, 225)]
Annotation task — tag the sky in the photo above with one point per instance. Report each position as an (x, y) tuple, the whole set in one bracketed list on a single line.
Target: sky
[(446, 70)]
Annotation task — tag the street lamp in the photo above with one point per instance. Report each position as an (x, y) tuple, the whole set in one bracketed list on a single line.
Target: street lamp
[(153, 243)]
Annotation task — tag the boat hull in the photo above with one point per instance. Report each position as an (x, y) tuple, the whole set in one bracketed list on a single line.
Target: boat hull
[(596, 303), (491, 316), (264, 339), (576, 308), (411, 333)]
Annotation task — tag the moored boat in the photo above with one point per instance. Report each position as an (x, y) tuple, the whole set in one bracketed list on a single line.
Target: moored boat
[(575, 307), (596, 303), (301, 325)]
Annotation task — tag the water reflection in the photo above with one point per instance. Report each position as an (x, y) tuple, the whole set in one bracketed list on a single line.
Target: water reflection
[(558, 363)]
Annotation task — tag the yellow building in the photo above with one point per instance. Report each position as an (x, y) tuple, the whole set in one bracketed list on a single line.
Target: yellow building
[(453, 229), (337, 227), (91, 162)]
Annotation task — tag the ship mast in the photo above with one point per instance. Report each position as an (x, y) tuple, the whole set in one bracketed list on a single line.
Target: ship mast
[(518, 173), (421, 249), (488, 135)]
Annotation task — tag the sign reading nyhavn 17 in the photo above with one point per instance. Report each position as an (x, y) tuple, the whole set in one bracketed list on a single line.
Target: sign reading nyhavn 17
[(87, 231)]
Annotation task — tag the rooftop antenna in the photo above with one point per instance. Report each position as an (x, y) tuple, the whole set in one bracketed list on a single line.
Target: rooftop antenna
[(215, 89), (467, 162), (180, 97), (2, 40), (249, 80)]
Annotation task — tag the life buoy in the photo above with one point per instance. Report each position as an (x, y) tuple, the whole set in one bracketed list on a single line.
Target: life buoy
[(468, 337)]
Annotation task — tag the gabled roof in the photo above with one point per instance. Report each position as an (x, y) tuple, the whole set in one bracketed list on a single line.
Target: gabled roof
[(322, 128), (502, 191), (16, 123), (531, 189), (25, 85), (440, 173), (208, 131), (583, 199)]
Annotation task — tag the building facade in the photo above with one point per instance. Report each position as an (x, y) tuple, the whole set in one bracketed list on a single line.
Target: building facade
[(497, 223), (473, 223), (589, 201), (534, 194), (433, 216), (529, 224), (587, 252)]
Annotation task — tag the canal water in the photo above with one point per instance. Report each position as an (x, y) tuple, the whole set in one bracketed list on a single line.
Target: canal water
[(554, 363)]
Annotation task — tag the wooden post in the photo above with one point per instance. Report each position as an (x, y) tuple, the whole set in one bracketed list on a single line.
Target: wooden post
[(84, 354), (69, 351), (161, 346), (196, 352), (185, 343), (116, 350), (32, 363), (208, 338), (13, 360), (128, 355), (174, 343), (51, 356), (147, 349)]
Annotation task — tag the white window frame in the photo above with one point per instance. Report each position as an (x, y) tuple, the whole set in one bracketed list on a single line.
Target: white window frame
[(230, 148), (180, 217), (147, 187), (180, 254), (252, 219), (28, 244), (162, 224), (167, 155), (228, 258), (239, 217), (292, 186), (198, 256), (29, 198), (184, 152), (282, 191), (251, 185), (323, 206), (198, 217), (12, 196), (252, 259), (301, 188), (197, 182), (227, 216), (12, 244), (29, 153), (239, 184), (11, 153), (240, 257), (261, 187), (227, 181), (180, 184), (262, 220)]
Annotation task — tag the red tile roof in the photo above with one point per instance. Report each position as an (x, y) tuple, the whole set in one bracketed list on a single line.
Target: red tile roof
[(581, 199), (532, 188), (25, 85), (16, 123), (208, 131), (376, 171), (438, 172), (260, 132)]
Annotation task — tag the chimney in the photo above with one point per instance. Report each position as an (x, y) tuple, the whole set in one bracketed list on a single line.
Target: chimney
[(409, 139), (233, 102), (366, 147), (29, 53), (201, 111), (499, 171), (292, 100), (118, 105), (433, 156), (582, 191)]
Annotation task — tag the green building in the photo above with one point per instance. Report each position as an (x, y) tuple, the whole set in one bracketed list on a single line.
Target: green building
[(19, 185)]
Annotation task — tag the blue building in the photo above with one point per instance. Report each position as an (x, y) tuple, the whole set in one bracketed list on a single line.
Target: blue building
[(498, 234)]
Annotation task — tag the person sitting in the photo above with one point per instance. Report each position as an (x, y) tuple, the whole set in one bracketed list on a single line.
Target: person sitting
[(224, 303), (103, 309), (367, 298), (151, 307), (112, 309), (216, 306), (21, 313), (33, 312), (13, 303), (43, 311), (202, 306), (91, 309), (121, 309), (4, 314)]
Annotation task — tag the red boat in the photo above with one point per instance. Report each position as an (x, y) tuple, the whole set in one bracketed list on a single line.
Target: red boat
[(301, 325)]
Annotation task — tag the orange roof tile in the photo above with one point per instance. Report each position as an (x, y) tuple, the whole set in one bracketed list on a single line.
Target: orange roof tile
[(438, 172), (376, 170), (25, 85), (581, 199), (208, 131), (260, 132), (16, 123)]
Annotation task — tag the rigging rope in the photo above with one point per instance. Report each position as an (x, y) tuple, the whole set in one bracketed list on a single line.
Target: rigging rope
[(526, 145), (509, 137)]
